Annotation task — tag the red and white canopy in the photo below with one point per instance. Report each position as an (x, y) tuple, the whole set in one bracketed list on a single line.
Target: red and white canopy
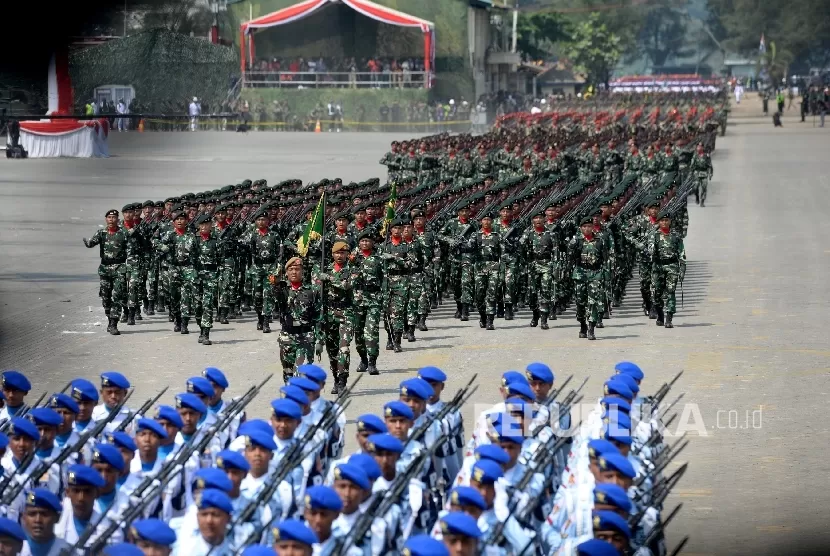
[(365, 7)]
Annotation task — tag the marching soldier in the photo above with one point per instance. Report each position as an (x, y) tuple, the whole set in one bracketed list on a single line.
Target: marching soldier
[(337, 283), (112, 242)]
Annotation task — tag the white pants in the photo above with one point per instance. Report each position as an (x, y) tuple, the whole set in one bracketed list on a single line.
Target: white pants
[(193, 123)]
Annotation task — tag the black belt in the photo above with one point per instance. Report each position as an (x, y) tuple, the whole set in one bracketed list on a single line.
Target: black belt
[(265, 261), (298, 329), (398, 273), (110, 261), (209, 267), (489, 260), (188, 263), (369, 289), (667, 261)]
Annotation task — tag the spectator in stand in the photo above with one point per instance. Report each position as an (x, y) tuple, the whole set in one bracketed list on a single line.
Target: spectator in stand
[(122, 110)]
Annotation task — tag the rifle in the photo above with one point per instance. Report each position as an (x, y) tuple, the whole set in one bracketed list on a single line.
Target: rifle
[(656, 531), (661, 393), (140, 411), (43, 466), (663, 487), (22, 412), (680, 546), (461, 396)]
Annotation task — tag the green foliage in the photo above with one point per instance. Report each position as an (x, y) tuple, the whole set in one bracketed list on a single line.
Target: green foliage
[(663, 33), (166, 69), (538, 32), (593, 49)]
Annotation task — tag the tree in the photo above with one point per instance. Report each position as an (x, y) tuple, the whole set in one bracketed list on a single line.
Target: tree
[(537, 33), (663, 33), (593, 49)]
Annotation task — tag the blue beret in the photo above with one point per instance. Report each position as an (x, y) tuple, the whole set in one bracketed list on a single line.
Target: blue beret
[(10, 528), (4, 441), (215, 376), (43, 498), (606, 520), (214, 498), (368, 464), (23, 427), (260, 438), (597, 547), (313, 372), (200, 385), (460, 523), (83, 475), (306, 384), (599, 447), (167, 413), (467, 496), (506, 430), (153, 530), (521, 389), (122, 549), (424, 545), (323, 498), (63, 401), (630, 369), (417, 388), (539, 371), (619, 388), (228, 459), (211, 477), (153, 426), (84, 390), (515, 404), (371, 423), (112, 378), (486, 471), (384, 442), (612, 495), (259, 550), (629, 381), (295, 394), (44, 417), (613, 417), (186, 400), (512, 376), (109, 454), (255, 424), (352, 473), (619, 403), (432, 374), (618, 435), (294, 530), (616, 462), (492, 452), (286, 408), (398, 409), (14, 380), (121, 440)]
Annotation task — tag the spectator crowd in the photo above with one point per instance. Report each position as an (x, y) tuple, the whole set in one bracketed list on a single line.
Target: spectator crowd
[(346, 72)]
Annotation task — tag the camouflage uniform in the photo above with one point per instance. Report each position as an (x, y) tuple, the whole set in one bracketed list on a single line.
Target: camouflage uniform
[(461, 244), (701, 166), (391, 161), (483, 165), (208, 259), (338, 317), (227, 240), (509, 266), (300, 318), (265, 249), (637, 233), (540, 250), (667, 256), (183, 255), (368, 285), (488, 246), (398, 264), (416, 284), (112, 270), (588, 257), (432, 258), (135, 246)]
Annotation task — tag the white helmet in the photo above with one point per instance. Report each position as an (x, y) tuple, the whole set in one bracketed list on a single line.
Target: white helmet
[(452, 101), (195, 99)]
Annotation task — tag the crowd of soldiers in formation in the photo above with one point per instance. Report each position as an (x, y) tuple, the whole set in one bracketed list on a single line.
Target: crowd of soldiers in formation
[(86, 471), (551, 211)]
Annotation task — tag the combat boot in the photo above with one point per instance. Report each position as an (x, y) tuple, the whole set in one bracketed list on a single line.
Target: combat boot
[(591, 331), (364, 364), (336, 388), (465, 312), (490, 322), (201, 334), (544, 325), (178, 326), (659, 321), (606, 314), (668, 320), (534, 321), (560, 308), (231, 313), (223, 315), (422, 323), (433, 304), (583, 329), (599, 323), (146, 306), (703, 203), (206, 341), (259, 319), (697, 198), (171, 316), (616, 303), (266, 327), (482, 319), (457, 314), (114, 327), (131, 316), (245, 306), (389, 344), (185, 320), (160, 308), (138, 314), (552, 313), (652, 314), (410, 333), (396, 339), (107, 311), (125, 312), (500, 311), (373, 367), (508, 311)]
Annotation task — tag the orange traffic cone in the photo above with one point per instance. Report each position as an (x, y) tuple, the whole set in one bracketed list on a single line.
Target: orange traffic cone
[(141, 124), (317, 127)]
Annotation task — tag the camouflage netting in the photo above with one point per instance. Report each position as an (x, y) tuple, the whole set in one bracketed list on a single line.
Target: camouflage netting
[(166, 69)]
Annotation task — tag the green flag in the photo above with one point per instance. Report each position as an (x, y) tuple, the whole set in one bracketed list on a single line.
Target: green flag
[(390, 209), (314, 228)]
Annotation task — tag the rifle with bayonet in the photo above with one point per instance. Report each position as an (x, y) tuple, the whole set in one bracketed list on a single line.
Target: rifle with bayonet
[(140, 411)]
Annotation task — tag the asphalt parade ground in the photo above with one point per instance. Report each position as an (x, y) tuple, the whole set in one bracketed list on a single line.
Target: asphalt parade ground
[(751, 336)]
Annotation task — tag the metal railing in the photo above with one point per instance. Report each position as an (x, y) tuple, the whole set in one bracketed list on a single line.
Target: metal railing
[(342, 79)]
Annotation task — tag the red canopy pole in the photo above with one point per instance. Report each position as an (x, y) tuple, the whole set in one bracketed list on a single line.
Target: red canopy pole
[(251, 50), (242, 49), (427, 58)]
